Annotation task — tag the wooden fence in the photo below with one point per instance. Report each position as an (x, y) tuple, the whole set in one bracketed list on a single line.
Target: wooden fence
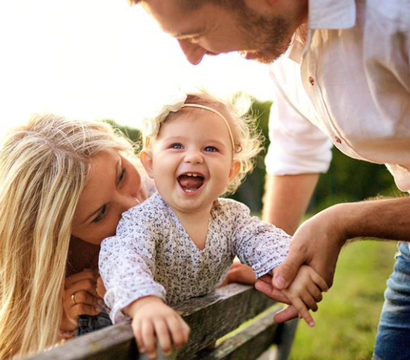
[(212, 318)]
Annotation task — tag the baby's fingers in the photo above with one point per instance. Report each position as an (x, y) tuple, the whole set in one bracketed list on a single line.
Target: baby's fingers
[(179, 331), (303, 311), (136, 326), (315, 292), (309, 301), (163, 336), (318, 280), (149, 344)]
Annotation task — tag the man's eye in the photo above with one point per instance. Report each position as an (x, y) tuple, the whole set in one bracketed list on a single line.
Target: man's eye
[(194, 40), (176, 146), (100, 215), (211, 149)]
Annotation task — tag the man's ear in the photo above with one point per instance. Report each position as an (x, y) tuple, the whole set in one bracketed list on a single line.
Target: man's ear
[(235, 168), (146, 160)]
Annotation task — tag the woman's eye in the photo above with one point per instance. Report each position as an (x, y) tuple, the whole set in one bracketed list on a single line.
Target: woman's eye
[(101, 215), (211, 149), (176, 146), (122, 176)]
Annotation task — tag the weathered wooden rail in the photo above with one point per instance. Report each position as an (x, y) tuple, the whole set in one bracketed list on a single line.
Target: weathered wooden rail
[(211, 318)]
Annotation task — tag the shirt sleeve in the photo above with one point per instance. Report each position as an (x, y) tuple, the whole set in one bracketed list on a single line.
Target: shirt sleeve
[(296, 145), (127, 265), (257, 243)]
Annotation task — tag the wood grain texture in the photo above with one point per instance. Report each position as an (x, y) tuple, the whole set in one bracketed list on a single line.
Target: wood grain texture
[(210, 317)]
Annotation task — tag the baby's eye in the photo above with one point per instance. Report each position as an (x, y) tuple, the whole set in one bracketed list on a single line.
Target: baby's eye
[(101, 215), (176, 146), (211, 149)]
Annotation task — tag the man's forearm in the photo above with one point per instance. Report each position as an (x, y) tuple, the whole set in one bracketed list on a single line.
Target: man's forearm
[(287, 198), (384, 219)]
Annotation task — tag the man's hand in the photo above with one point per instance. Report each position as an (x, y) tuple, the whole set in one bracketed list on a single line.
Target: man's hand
[(154, 321), (316, 243)]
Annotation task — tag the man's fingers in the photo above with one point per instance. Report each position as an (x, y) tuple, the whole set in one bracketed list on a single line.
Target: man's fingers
[(268, 290), (285, 315), (286, 272)]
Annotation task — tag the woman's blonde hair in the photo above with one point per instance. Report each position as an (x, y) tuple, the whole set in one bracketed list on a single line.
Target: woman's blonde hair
[(43, 170), (247, 138)]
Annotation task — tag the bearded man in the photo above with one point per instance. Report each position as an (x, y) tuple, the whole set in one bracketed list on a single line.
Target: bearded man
[(341, 70)]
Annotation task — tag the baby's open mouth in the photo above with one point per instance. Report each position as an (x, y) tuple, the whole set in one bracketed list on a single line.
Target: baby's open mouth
[(190, 182)]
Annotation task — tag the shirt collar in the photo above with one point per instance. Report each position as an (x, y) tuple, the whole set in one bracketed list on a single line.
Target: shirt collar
[(324, 14), (331, 14)]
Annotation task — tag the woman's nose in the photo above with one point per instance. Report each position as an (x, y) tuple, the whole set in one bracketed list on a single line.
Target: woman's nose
[(127, 202), (193, 52)]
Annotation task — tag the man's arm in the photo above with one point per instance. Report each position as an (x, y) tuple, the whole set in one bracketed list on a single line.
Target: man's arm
[(287, 198), (318, 241)]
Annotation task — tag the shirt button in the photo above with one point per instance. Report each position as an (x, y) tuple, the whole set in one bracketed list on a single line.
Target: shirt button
[(338, 140), (311, 80)]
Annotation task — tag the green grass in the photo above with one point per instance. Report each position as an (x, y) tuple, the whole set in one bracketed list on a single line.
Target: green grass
[(346, 323)]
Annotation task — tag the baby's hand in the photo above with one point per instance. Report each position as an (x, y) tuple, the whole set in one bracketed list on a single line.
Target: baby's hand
[(305, 292), (152, 319)]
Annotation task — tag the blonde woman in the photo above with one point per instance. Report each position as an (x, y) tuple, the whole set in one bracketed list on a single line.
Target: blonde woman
[(63, 187)]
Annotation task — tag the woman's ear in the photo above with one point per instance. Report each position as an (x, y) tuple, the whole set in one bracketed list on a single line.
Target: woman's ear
[(235, 168), (146, 160)]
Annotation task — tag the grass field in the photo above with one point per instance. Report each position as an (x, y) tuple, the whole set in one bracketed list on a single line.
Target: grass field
[(346, 322)]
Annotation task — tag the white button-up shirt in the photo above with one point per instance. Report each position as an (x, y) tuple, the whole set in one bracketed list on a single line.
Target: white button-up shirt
[(350, 83)]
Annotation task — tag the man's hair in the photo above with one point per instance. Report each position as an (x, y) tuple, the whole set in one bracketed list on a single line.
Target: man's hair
[(44, 168)]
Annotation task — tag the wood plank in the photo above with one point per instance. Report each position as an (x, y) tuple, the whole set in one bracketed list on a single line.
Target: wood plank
[(217, 314), (210, 318), (247, 344)]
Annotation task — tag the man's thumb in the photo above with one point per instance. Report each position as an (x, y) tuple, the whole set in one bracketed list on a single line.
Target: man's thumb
[(286, 272)]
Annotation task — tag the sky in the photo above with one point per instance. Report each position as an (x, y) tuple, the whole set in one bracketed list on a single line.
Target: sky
[(101, 59)]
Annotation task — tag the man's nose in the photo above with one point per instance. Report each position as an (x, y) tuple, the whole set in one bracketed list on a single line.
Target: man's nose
[(193, 52)]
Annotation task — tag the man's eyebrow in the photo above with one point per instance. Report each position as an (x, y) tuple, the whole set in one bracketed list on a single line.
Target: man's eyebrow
[(117, 166)]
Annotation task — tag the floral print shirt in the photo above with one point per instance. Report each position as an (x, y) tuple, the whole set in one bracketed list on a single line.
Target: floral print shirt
[(152, 254)]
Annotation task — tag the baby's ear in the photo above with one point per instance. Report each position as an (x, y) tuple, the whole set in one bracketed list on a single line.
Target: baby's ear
[(146, 160), (235, 168)]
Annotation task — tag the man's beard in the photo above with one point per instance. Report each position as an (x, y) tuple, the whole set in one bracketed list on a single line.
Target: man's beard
[(269, 36)]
